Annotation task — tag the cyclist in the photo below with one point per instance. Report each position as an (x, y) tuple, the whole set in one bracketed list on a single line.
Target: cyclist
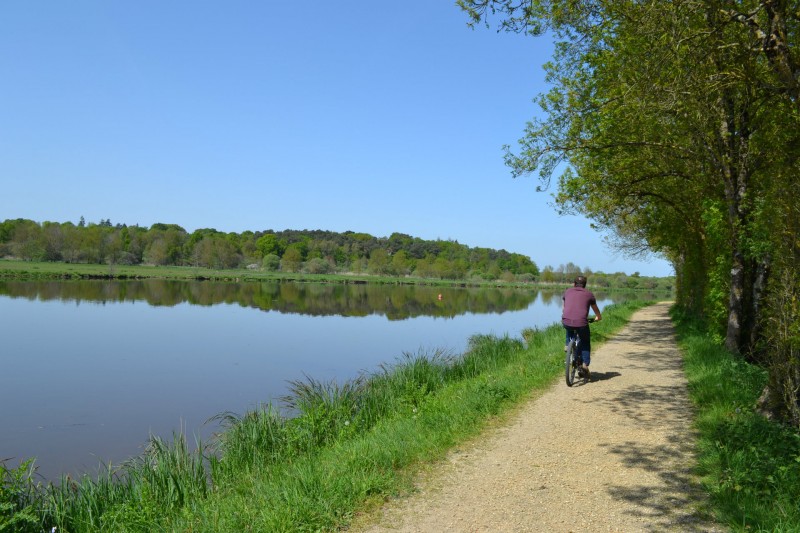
[(575, 315)]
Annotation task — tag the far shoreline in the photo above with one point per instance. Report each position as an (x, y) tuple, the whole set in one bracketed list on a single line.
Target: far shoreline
[(19, 270)]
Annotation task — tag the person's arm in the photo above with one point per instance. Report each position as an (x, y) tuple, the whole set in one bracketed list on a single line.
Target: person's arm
[(598, 316)]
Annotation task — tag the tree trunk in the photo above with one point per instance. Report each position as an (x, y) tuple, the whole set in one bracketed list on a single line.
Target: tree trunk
[(754, 324), (735, 304), (735, 135)]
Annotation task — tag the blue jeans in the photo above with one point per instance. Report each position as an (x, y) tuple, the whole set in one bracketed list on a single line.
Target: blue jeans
[(586, 342)]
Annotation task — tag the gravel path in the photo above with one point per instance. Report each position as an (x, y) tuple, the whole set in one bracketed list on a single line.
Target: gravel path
[(612, 455)]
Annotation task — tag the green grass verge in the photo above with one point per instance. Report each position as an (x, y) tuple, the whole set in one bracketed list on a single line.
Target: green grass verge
[(347, 448), (749, 465), (29, 270)]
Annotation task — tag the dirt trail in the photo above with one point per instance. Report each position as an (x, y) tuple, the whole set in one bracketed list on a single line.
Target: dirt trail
[(612, 455)]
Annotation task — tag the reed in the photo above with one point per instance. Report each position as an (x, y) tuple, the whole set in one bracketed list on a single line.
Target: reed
[(20, 498), (163, 480)]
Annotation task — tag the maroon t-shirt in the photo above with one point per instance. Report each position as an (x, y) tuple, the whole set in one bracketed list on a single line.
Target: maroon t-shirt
[(577, 302)]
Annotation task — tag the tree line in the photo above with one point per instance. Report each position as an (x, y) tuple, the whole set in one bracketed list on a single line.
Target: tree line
[(306, 251), (675, 126)]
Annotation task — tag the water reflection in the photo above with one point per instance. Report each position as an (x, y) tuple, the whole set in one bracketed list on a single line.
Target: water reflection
[(395, 302)]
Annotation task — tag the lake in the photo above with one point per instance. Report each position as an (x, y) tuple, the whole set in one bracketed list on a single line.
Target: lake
[(91, 368)]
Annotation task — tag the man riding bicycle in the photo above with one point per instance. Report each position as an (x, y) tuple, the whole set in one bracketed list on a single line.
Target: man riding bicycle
[(575, 316)]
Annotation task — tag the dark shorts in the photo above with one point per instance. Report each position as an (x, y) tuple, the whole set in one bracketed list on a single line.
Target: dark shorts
[(586, 341)]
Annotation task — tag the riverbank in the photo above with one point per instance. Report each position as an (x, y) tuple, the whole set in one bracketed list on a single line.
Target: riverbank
[(31, 270), (351, 446)]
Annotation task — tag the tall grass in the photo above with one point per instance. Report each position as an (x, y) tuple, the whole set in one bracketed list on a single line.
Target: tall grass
[(750, 465), (327, 453)]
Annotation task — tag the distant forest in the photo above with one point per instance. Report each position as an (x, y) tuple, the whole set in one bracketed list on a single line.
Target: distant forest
[(303, 251)]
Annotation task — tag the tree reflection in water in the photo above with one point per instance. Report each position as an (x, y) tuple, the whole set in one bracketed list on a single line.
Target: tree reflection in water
[(396, 302)]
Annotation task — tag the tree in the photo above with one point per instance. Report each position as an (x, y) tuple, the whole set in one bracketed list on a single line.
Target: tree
[(71, 246), (401, 264), (215, 251), (169, 244), (548, 275), (113, 246), (269, 244), (27, 239), (53, 240), (650, 132), (292, 259), (165, 246), (673, 148), (379, 262)]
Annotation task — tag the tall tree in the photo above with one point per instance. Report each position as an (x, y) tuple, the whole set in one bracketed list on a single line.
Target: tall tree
[(654, 107), (678, 122)]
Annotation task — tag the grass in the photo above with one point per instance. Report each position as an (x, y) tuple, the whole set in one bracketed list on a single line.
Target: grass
[(344, 449), (28, 270), (750, 465)]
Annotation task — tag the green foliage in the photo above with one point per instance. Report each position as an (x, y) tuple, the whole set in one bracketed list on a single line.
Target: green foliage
[(311, 251), (379, 262), (269, 244), (137, 496), (782, 340), (271, 263), (19, 498), (674, 127), (325, 412), (750, 465), (317, 266), (292, 259), (257, 438)]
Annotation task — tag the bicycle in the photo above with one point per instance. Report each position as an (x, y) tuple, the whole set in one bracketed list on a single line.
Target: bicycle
[(573, 363)]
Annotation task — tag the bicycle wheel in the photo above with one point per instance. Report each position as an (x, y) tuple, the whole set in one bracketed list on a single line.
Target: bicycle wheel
[(569, 364)]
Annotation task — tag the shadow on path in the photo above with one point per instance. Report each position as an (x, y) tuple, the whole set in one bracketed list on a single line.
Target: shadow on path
[(604, 376), (671, 501), (650, 405), (664, 494)]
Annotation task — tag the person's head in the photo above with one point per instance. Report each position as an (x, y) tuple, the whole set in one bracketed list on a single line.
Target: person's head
[(580, 281)]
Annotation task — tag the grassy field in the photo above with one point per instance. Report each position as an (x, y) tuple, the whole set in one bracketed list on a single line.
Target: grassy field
[(750, 465), (27, 270), (349, 447)]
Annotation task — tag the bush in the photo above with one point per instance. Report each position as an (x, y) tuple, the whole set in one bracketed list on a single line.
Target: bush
[(317, 266), (271, 263)]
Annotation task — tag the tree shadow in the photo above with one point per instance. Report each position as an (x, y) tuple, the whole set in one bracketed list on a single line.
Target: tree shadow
[(651, 405), (656, 479), (672, 499), (646, 346)]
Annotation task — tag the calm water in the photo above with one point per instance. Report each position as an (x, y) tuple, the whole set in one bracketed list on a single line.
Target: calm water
[(90, 369)]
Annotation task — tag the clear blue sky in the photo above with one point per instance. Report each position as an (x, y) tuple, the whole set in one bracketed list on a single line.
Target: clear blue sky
[(368, 116)]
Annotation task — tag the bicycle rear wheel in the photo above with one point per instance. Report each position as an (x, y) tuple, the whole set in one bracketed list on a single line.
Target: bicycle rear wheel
[(569, 364)]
